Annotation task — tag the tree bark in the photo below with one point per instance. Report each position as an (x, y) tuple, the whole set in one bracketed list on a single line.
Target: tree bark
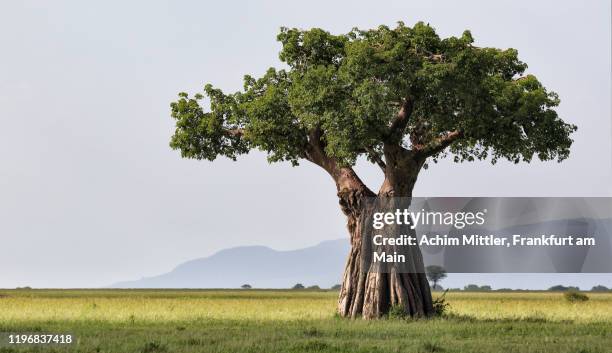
[(371, 293), (366, 293)]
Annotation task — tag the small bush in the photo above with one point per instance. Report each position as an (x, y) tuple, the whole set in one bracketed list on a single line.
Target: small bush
[(397, 311), (298, 286), (575, 297), (440, 306)]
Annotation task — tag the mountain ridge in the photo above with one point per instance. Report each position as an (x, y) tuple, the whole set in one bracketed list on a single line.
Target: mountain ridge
[(257, 265), (322, 264)]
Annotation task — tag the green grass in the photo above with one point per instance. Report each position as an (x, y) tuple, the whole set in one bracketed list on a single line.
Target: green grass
[(301, 321)]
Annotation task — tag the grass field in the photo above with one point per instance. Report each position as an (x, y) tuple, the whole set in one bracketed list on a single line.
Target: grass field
[(148, 321)]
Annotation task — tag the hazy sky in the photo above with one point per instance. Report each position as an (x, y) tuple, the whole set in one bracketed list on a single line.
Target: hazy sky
[(91, 194)]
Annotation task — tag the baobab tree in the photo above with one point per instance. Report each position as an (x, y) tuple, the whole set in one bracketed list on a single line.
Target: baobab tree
[(400, 97)]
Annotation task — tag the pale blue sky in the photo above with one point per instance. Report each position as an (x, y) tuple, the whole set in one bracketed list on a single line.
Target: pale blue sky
[(91, 194)]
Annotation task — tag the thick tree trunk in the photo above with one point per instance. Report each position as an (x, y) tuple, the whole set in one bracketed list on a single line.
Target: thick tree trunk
[(367, 293), (371, 293)]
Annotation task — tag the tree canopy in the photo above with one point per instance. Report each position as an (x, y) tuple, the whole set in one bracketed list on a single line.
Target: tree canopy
[(357, 92)]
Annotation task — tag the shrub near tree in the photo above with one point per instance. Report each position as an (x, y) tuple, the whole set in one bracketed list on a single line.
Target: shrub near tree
[(573, 296), (400, 97)]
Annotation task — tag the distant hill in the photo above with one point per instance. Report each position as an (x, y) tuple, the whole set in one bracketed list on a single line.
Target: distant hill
[(323, 264), (259, 266)]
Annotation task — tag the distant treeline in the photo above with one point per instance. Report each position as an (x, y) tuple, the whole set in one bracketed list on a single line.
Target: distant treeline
[(467, 288), (557, 288)]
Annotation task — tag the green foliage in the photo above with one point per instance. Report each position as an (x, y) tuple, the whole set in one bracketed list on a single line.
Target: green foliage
[(397, 311), (573, 296), (298, 286), (440, 305), (349, 87)]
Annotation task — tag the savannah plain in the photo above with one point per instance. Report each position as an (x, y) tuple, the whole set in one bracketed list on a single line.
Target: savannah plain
[(147, 321)]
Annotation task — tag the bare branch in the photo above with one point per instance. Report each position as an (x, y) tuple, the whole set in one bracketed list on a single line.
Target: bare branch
[(439, 144), (436, 57), (345, 177), (396, 129), (520, 78), (235, 132)]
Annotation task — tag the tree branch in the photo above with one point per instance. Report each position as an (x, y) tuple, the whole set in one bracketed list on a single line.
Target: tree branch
[(436, 57), (235, 132), (439, 144), (520, 78), (396, 129), (344, 176)]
